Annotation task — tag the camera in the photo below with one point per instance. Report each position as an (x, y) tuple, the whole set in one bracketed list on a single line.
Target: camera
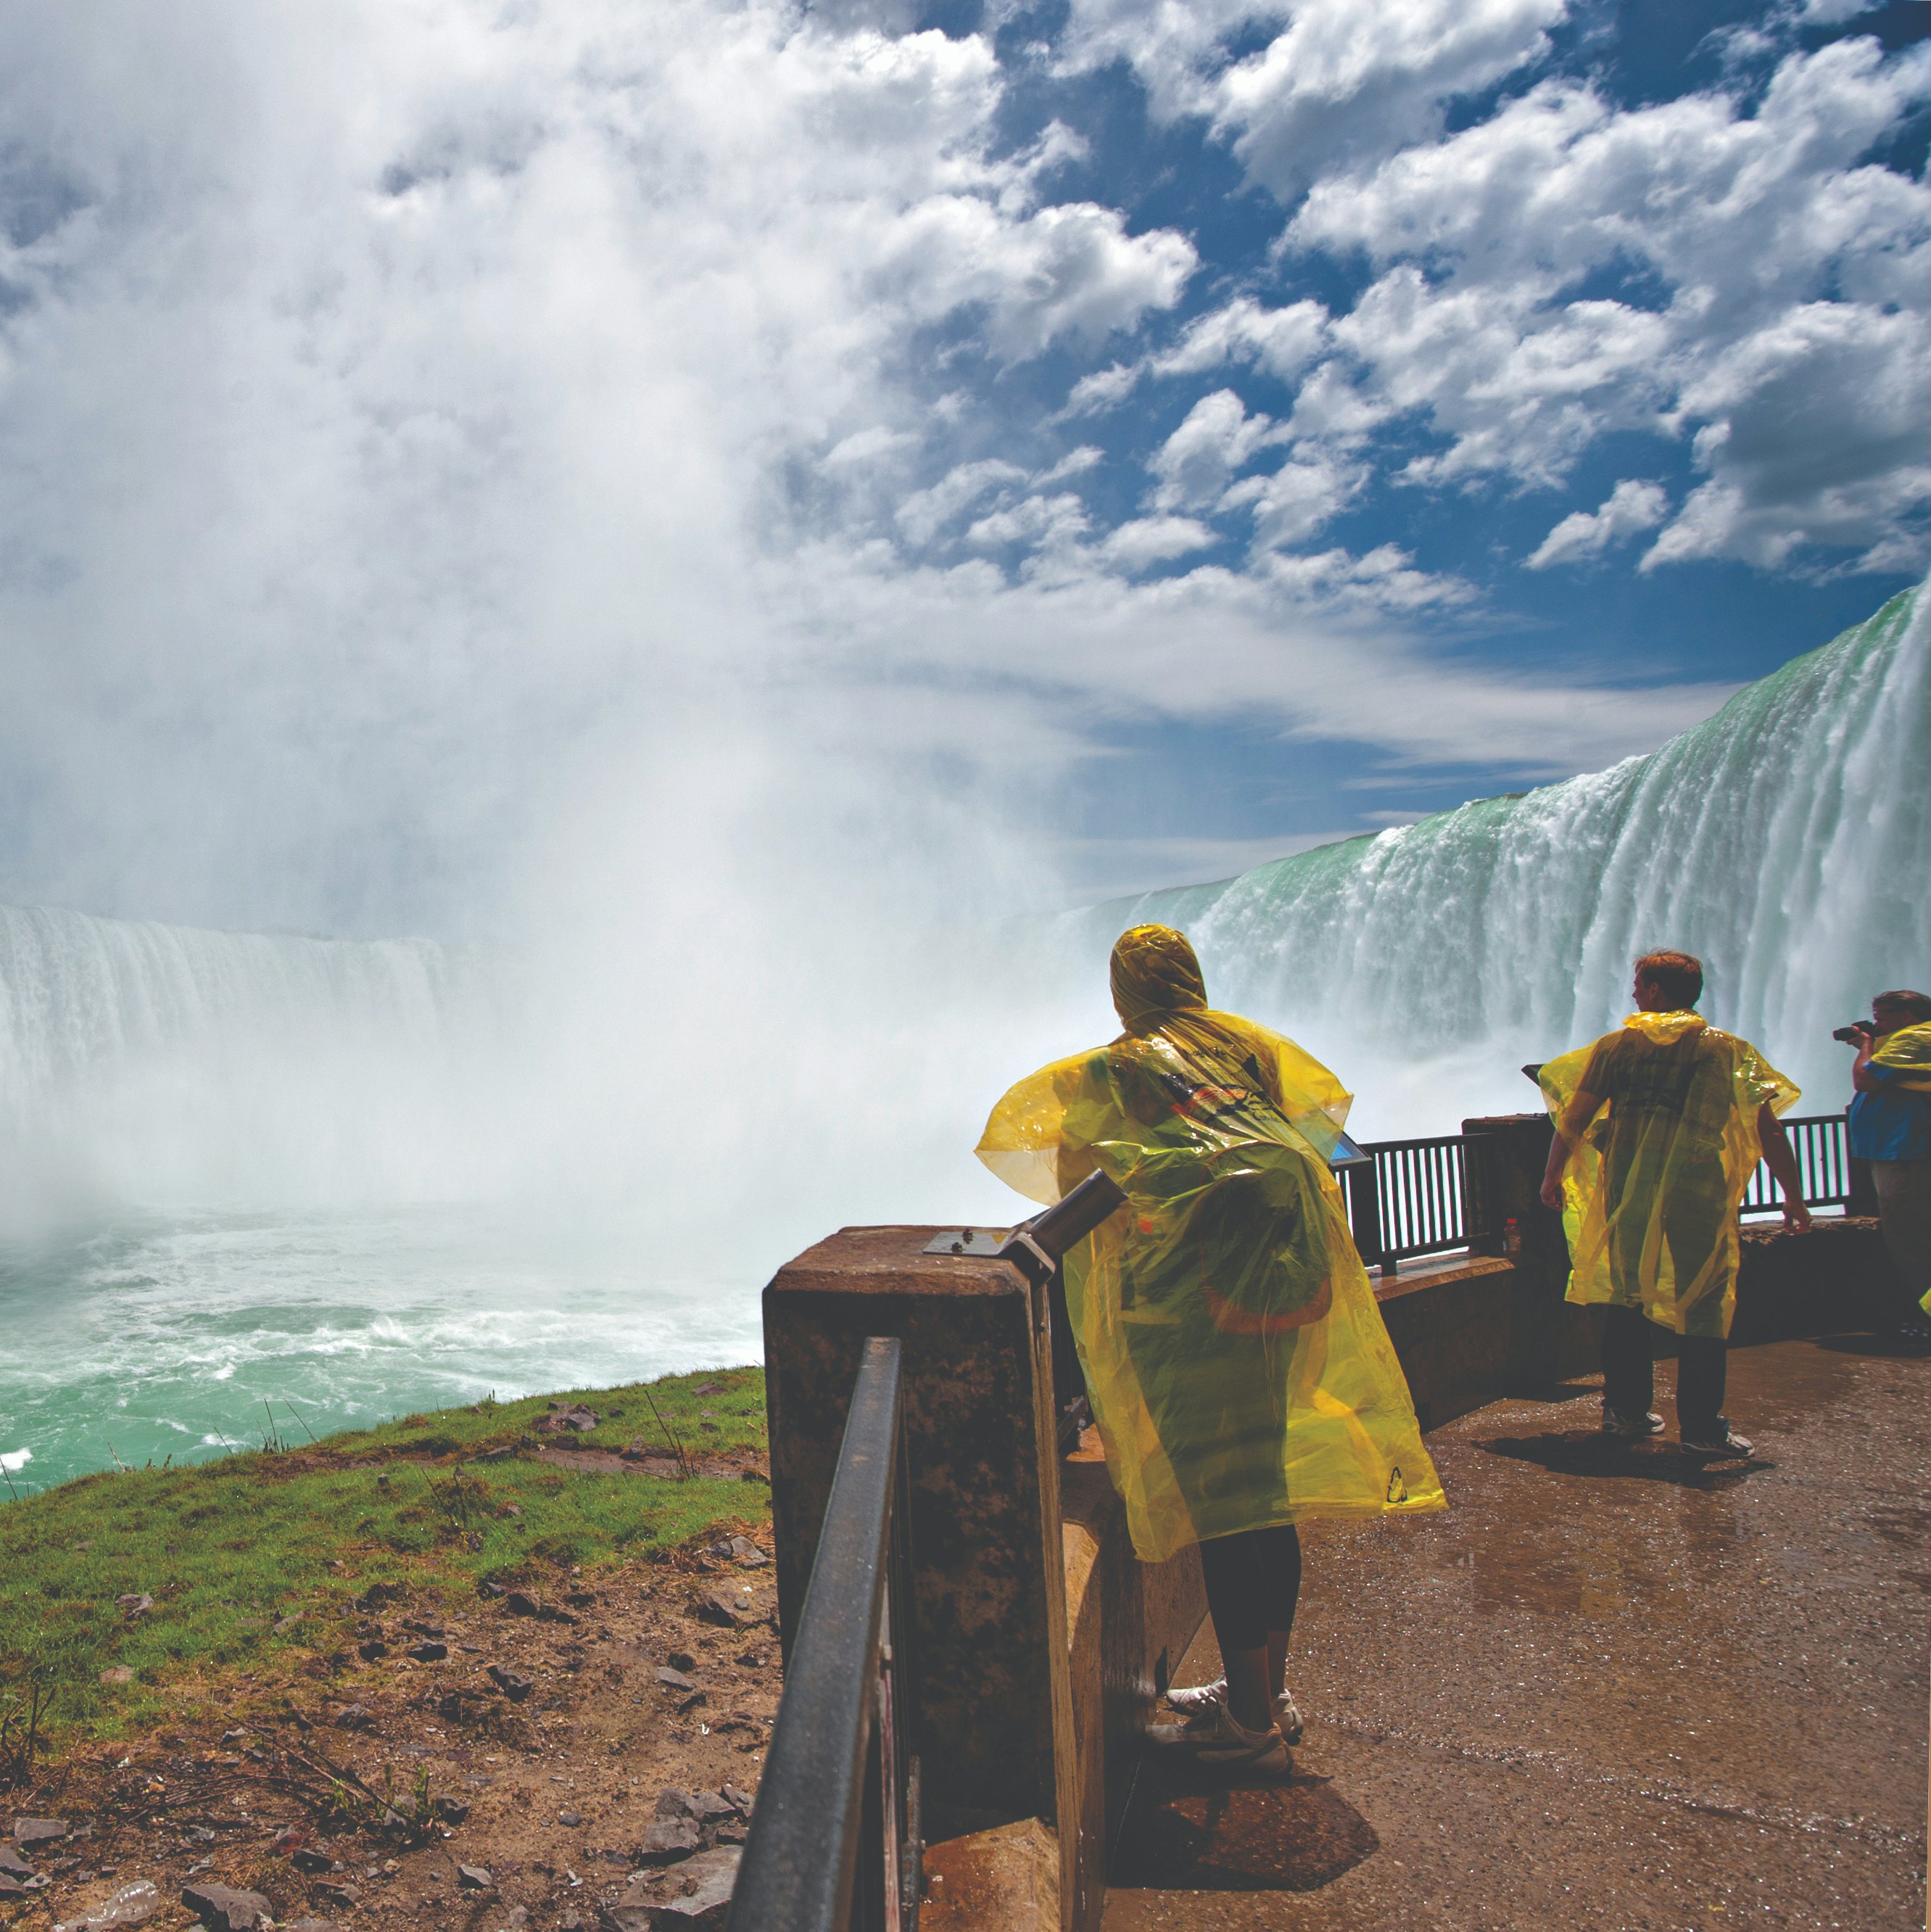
[(1849, 1035)]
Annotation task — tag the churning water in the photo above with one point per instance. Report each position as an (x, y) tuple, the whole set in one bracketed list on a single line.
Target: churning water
[(238, 1166)]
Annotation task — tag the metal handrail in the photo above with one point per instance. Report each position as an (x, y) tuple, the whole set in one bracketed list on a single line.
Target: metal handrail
[(834, 1841), (1821, 1144)]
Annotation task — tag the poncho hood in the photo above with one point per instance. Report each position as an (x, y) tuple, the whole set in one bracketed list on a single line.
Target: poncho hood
[(1155, 973)]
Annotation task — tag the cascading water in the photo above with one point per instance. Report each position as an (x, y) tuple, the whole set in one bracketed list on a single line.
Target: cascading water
[(150, 1063), (1787, 840)]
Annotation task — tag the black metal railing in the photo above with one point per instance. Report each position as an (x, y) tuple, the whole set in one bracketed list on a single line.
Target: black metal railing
[(1821, 1144), (834, 1845), (1408, 1197)]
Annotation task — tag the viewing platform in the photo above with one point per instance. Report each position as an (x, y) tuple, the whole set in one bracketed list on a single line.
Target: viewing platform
[(1611, 1686), (1607, 1688)]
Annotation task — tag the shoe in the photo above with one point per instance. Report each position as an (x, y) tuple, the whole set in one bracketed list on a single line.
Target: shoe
[(1213, 1737), (1287, 1719), (1725, 1442), (1632, 1428)]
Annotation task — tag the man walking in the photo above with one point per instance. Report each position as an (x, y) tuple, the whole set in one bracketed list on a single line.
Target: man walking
[(1659, 1126), (1891, 1127)]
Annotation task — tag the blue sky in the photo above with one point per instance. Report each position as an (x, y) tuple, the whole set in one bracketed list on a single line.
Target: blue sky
[(1052, 449)]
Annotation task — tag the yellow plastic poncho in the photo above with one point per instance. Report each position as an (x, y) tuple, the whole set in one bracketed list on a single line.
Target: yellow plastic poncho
[(1907, 1053), (1661, 1118), (1239, 1369)]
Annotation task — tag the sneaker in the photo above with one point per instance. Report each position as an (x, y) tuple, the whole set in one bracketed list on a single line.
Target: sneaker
[(1214, 1737), (1724, 1440), (1287, 1719), (1633, 1428)]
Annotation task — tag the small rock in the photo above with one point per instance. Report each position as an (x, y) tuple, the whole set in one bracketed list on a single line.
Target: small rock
[(748, 1553), (523, 1604), (474, 1878), (340, 1894), (708, 1807), (667, 1840), (11, 1863), (372, 1651), (282, 1626), (571, 1416), (428, 1651), (354, 1717), (422, 1629), (673, 1802), (38, 1831), (512, 1684), (223, 1909), (708, 1879), (731, 1833), (307, 1861), (570, 1818), (740, 1801), (313, 1925), (571, 1921), (378, 1594), (133, 1606), (17, 1888), (691, 1703), (134, 1904), (681, 1660), (675, 1680), (489, 1590), (515, 1918), (119, 1674), (716, 1608), (451, 1810)]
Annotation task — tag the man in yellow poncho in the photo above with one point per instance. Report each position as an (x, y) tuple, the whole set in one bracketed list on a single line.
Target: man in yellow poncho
[(1658, 1129), (1891, 1127), (1239, 1369)]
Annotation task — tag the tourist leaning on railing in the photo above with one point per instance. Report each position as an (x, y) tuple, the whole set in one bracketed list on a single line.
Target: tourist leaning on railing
[(1237, 1362), (1659, 1126), (1891, 1127)]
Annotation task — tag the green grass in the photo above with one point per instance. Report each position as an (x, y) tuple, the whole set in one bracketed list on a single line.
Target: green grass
[(226, 1549)]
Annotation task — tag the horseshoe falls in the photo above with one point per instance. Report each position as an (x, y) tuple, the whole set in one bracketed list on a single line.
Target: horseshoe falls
[(352, 1180), (1786, 840)]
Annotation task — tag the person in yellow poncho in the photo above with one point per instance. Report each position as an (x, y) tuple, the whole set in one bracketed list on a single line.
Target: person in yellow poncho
[(1658, 1129), (1891, 1127), (1239, 1369)]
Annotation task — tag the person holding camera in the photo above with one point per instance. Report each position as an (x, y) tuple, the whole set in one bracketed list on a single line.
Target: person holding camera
[(1891, 1127), (1659, 1127)]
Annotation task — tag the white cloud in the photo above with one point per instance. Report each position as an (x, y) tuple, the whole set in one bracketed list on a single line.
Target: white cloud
[(1283, 341), (1630, 509), (1791, 271), (1339, 83), (1136, 546), (1218, 439), (1308, 491)]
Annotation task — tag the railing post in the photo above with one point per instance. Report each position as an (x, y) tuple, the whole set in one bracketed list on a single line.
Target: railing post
[(1364, 1210)]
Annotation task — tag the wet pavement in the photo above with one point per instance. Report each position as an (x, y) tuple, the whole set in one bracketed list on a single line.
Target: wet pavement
[(1609, 1687)]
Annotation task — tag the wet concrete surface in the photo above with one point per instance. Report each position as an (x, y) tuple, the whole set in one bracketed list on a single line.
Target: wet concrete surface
[(1610, 1686)]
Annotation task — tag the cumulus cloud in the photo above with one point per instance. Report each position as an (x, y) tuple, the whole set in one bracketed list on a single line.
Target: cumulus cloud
[(1192, 469), (1791, 272), (1585, 534), (1336, 83)]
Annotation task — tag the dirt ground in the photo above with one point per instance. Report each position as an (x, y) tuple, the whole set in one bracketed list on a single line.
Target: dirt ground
[(357, 1790)]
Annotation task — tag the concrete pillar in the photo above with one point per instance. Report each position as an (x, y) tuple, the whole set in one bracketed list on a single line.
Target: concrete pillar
[(988, 1613)]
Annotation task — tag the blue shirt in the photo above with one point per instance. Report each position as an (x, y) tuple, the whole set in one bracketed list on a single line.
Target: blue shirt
[(1894, 1125)]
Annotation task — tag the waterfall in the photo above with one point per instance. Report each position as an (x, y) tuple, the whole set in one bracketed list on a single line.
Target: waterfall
[(145, 1062), (1786, 840)]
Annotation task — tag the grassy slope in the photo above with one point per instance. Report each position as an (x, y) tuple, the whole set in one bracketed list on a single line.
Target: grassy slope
[(226, 1549)]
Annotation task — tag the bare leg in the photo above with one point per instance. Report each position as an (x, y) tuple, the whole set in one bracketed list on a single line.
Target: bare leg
[(1277, 1662), (1250, 1702)]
